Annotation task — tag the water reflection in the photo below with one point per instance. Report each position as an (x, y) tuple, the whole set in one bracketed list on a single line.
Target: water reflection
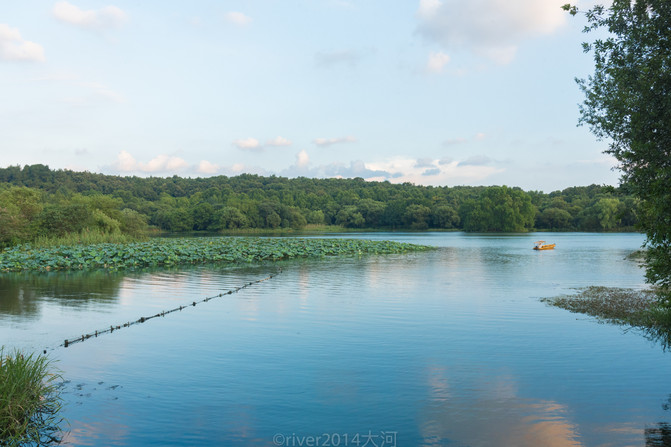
[(106, 432), (494, 411), (658, 335), (659, 435), (22, 294)]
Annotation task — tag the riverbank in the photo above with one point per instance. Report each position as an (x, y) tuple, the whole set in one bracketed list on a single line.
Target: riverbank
[(179, 251)]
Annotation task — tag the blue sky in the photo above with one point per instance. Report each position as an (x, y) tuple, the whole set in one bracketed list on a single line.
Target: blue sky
[(433, 92)]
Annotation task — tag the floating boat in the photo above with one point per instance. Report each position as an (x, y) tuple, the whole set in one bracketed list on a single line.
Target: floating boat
[(541, 245)]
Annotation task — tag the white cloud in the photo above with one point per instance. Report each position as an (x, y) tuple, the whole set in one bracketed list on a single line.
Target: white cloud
[(205, 167), (437, 61), (238, 18), (13, 47), (125, 162), (424, 171), (247, 143), (397, 170), (168, 165), (278, 142), (489, 28), (334, 170), (400, 170), (302, 159), (324, 142), (160, 164), (164, 163), (105, 18), (356, 168)]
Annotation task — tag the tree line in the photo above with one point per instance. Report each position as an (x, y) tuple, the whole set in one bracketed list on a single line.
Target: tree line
[(38, 201)]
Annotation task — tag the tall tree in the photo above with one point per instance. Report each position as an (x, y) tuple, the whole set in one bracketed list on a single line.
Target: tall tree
[(499, 209), (628, 102)]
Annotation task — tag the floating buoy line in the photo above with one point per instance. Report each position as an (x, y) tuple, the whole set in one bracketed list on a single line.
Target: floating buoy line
[(112, 328)]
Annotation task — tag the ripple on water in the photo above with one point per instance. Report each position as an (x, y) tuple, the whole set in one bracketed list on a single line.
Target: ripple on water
[(448, 346)]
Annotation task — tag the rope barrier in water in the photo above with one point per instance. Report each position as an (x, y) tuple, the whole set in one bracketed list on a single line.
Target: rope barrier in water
[(141, 320)]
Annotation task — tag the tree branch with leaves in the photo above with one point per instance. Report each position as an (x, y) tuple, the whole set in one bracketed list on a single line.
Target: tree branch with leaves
[(628, 103)]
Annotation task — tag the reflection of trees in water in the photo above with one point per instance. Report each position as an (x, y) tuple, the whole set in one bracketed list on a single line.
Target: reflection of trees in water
[(23, 294), (659, 435), (658, 334)]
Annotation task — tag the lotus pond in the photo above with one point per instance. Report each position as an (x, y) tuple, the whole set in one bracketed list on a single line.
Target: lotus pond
[(449, 346), (168, 252)]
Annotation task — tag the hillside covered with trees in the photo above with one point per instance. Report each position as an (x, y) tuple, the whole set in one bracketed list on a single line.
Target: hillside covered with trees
[(37, 201)]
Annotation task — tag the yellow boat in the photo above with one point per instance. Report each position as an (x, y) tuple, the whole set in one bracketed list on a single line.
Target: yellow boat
[(541, 245)]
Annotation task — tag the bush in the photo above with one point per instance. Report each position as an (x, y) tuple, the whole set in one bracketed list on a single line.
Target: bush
[(132, 222)]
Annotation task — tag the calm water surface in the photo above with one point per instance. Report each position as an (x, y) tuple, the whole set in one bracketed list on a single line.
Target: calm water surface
[(449, 347)]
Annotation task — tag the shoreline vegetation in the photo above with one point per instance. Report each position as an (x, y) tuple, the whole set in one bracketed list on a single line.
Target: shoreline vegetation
[(637, 309), (38, 204), (30, 399), (181, 251)]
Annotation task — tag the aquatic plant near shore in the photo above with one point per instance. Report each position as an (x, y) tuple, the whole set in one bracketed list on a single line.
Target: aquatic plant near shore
[(167, 252), (29, 400), (635, 308)]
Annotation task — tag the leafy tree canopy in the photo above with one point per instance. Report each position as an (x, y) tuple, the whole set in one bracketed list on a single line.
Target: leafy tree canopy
[(38, 202), (628, 102)]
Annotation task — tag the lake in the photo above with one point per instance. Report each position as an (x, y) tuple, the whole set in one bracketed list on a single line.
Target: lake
[(447, 347)]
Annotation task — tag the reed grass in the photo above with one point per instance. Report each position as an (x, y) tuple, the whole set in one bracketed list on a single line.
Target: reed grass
[(309, 228), (86, 237), (29, 400)]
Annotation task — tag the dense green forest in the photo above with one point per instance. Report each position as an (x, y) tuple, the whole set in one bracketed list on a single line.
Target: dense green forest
[(36, 201)]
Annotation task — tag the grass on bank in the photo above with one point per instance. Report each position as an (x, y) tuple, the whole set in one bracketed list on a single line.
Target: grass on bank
[(639, 309), (309, 228), (29, 400), (326, 229), (86, 237)]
